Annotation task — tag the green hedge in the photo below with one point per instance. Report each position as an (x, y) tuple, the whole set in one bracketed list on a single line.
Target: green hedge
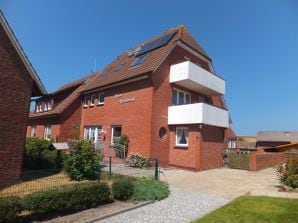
[(40, 154), (123, 189), (146, 189), (67, 198), (61, 199), (10, 207)]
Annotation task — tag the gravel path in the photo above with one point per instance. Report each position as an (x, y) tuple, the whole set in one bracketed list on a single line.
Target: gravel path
[(181, 206)]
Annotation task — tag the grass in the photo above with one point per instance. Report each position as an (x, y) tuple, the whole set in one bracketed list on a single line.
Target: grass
[(255, 209), (41, 180)]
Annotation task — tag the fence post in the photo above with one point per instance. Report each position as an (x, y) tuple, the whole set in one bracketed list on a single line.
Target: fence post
[(110, 167), (99, 171), (156, 169)]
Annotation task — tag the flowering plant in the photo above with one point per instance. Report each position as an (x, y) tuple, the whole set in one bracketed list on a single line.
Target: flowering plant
[(138, 160), (288, 171)]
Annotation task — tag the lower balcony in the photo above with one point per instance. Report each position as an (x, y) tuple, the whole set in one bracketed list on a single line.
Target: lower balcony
[(198, 113)]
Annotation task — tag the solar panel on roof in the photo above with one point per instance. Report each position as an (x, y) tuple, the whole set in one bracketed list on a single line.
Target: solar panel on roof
[(155, 44), (139, 60)]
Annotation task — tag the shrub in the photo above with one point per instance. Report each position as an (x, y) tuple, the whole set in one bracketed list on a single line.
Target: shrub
[(39, 154), (10, 207), (67, 198), (82, 162), (146, 189), (123, 189), (288, 171), (139, 161)]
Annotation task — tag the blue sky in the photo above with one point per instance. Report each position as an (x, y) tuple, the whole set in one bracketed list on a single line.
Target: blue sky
[(253, 44)]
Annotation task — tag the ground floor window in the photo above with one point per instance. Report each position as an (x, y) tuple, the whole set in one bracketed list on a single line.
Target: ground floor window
[(33, 131), (232, 144), (181, 136), (92, 133), (116, 134), (47, 132)]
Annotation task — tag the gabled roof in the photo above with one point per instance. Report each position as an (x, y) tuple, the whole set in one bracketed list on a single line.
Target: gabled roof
[(112, 74), (77, 86), (277, 136), (39, 88)]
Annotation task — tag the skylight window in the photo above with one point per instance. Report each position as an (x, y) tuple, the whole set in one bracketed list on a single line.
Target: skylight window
[(139, 60)]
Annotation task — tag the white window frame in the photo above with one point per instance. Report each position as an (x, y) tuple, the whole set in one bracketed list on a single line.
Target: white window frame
[(50, 104), (47, 131), (101, 102), (86, 98), (88, 130), (184, 98), (92, 97), (33, 131), (176, 137)]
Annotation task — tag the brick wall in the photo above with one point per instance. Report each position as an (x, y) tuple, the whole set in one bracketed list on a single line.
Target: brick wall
[(134, 117), (260, 161), (70, 119), (15, 93), (211, 147), (40, 127), (165, 150), (186, 157)]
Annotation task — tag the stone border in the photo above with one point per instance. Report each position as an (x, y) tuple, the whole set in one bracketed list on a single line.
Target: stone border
[(117, 212)]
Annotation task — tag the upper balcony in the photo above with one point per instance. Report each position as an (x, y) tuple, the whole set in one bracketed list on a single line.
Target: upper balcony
[(198, 113), (194, 77)]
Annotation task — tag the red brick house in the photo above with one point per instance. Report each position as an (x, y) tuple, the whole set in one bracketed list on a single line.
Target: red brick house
[(163, 94), (18, 83), (57, 115)]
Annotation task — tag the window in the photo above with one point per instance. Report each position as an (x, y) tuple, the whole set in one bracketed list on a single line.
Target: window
[(139, 60), (33, 131), (116, 134), (92, 100), (86, 99), (47, 132), (162, 133), (50, 104), (101, 98), (39, 106), (232, 144), (92, 133), (181, 136), (180, 97)]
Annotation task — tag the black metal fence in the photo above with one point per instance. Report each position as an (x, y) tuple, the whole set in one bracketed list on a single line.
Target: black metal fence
[(27, 182)]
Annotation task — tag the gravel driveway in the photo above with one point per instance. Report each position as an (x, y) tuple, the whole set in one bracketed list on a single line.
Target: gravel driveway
[(181, 206)]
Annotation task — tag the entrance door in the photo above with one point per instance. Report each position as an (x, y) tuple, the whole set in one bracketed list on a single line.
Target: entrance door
[(116, 134)]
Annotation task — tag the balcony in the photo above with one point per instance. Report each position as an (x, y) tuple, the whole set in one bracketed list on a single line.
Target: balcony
[(198, 113), (194, 77)]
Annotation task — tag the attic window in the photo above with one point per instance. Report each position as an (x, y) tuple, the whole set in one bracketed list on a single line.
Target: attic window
[(139, 60)]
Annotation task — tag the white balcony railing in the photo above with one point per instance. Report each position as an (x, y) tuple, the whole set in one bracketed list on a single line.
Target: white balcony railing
[(194, 77), (198, 113)]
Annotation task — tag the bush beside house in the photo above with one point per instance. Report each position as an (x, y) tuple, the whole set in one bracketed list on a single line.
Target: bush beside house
[(82, 162)]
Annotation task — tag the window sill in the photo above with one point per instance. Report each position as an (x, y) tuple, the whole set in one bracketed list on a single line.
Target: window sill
[(181, 147), (101, 104)]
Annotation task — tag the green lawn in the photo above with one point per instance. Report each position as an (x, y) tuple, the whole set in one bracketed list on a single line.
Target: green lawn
[(250, 209)]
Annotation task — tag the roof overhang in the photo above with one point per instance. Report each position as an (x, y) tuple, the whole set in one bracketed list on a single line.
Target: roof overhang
[(39, 88)]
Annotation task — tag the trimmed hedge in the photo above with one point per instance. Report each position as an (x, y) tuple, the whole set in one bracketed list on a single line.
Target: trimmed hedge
[(123, 189), (146, 189), (70, 197), (10, 207)]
